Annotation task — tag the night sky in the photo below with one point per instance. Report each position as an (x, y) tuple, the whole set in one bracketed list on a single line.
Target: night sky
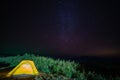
[(69, 27)]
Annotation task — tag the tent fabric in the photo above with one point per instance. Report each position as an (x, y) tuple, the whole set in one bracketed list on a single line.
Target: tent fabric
[(24, 67)]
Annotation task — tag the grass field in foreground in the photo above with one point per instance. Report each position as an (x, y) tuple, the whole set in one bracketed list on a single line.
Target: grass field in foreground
[(57, 69)]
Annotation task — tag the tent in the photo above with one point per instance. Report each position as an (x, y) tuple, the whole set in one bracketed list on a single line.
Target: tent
[(25, 67)]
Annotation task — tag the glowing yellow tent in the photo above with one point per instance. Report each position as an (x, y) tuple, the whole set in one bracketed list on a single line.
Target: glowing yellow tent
[(26, 67)]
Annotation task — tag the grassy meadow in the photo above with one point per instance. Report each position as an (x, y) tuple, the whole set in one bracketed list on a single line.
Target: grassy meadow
[(56, 69)]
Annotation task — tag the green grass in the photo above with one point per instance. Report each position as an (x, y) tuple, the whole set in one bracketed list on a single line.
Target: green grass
[(55, 69)]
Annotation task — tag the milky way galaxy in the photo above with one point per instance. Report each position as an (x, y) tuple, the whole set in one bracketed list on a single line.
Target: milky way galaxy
[(66, 25)]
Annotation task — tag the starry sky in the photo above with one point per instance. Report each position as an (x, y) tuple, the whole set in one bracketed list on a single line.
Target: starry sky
[(70, 27)]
